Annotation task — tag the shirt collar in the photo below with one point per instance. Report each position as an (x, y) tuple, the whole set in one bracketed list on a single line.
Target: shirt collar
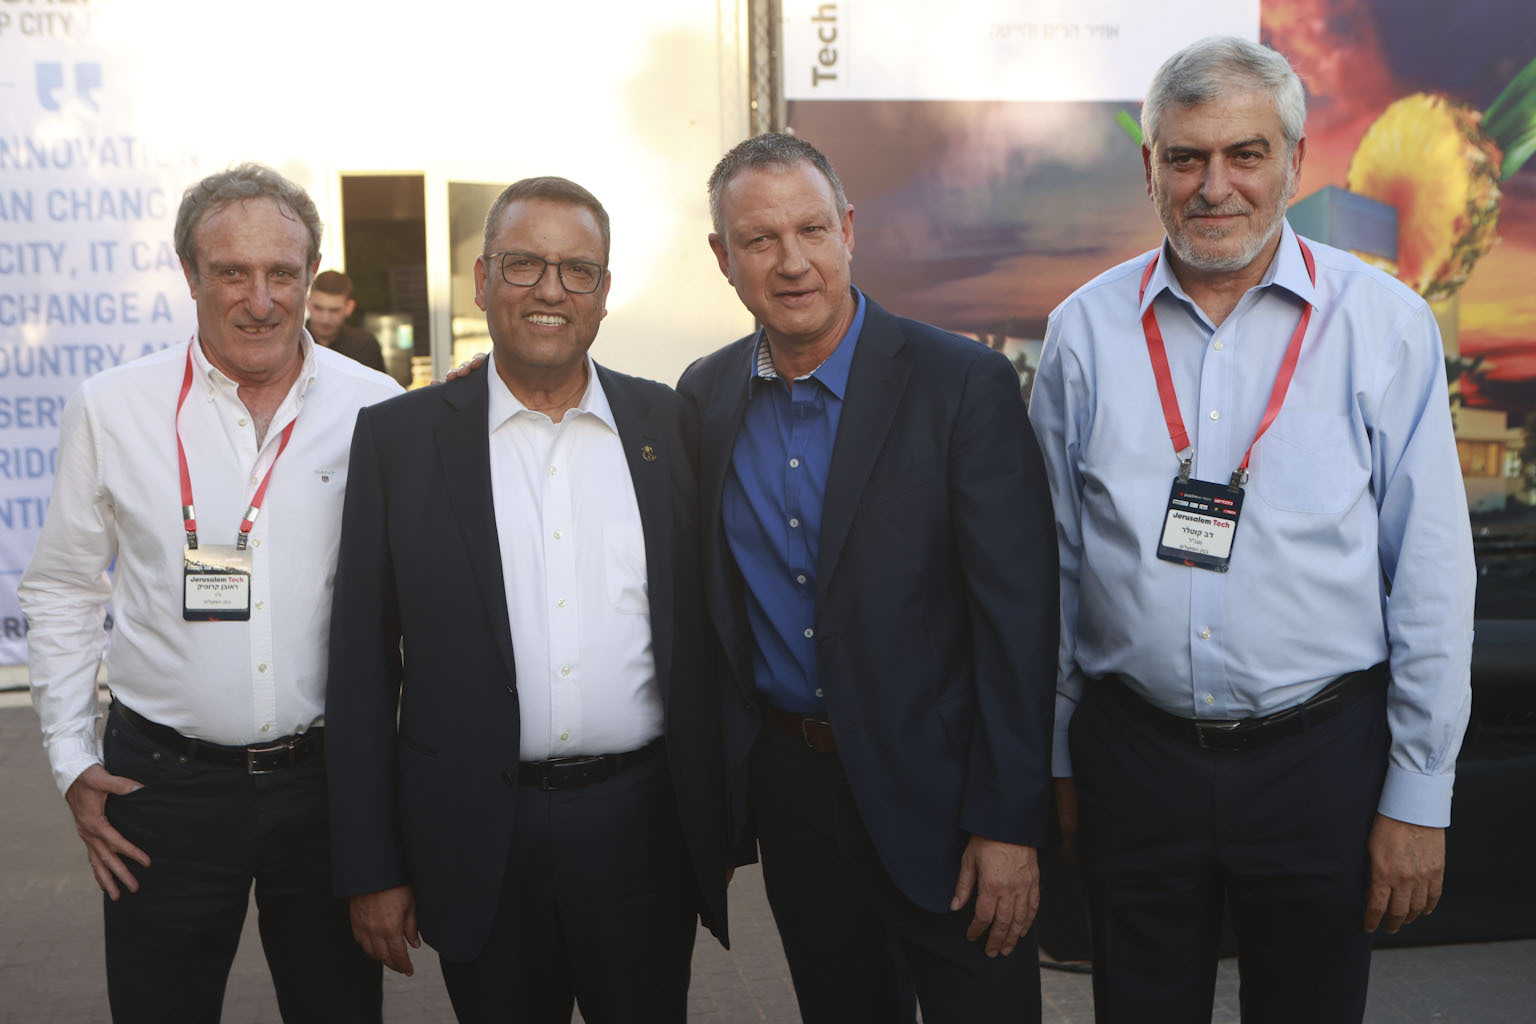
[(504, 404), (205, 370), (1287, 269), (833, 371)]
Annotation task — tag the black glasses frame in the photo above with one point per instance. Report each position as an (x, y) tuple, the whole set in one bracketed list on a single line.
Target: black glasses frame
[(560, 265)]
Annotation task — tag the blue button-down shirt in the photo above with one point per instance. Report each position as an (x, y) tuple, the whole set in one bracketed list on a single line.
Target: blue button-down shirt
[(772, 510), (1355, 489)]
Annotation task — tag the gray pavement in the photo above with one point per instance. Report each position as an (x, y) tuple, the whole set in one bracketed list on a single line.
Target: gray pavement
[(51, 948)]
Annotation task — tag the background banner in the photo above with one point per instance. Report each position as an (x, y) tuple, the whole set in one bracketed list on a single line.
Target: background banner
[(88, 278), (983, 203)]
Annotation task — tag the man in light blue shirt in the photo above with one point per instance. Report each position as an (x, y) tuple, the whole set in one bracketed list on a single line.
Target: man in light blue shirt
[(1266, 576)]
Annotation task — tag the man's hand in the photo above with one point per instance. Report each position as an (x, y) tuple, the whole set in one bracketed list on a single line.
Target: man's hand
[(106, 846), (383, 922), (465, 369), (1407, 871), (1006, 881), (1066, 813)]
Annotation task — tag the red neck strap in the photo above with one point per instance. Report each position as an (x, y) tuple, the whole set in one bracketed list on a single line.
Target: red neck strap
[(1170, 399), (188, 510)]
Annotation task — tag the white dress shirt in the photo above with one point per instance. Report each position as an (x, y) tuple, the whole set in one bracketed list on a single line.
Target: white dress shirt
[(116, 495), (1354, 542), (573, 565)]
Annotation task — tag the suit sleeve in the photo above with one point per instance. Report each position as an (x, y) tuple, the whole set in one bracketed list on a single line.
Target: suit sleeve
[(363, 688), (1004, 539)]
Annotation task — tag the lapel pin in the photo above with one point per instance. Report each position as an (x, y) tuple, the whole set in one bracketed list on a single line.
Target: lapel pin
[(648, 453)]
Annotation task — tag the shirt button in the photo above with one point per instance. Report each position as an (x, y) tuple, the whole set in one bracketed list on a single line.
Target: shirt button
[(565, 670), (1219, 345), (560, 603), (1209, 700), (800, 579), (818, 691), (261, 668), (255, 543), (559, 534), (564, 736), (810, 633), (794, 463), (794, 523), (253, 478), (1215, 415), (267, 727), (260, 605), (1205, 634), (242, 421), (551, 470)]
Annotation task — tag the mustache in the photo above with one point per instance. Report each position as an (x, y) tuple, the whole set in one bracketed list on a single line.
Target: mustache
[(1198, 207)]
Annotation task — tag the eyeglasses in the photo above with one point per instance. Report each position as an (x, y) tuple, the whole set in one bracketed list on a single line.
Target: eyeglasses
[(524, 269)]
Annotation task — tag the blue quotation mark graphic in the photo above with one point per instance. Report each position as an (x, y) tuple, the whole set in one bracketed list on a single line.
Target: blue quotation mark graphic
[(50, 80)]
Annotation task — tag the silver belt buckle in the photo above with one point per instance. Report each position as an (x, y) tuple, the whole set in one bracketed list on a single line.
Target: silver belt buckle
[(251, 753)]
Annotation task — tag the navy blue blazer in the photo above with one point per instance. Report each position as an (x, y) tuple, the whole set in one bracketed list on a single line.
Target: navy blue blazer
[(936, 598), (430, 804)]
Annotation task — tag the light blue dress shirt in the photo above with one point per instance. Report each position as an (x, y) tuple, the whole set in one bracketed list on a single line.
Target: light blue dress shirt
[(771, 507), (1354, 544)]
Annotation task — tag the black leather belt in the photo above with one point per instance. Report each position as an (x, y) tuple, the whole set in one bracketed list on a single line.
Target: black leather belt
[(256, 760), (1248, 733), (812, 730), (574, 772)]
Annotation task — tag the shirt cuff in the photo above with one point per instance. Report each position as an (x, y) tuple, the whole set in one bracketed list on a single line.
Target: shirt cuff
[(1417, 798), (69, 757)]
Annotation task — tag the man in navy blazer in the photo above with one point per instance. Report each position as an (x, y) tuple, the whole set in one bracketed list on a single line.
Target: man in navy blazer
[(881, 570), (519, 576)]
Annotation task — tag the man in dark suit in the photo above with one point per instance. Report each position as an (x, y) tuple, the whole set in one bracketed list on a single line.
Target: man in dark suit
[(880, 568), (550, 806)]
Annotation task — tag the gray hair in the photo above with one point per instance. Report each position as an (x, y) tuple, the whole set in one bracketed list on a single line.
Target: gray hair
[(238, 185), (552, 189), (1217, 66), (771, 149)]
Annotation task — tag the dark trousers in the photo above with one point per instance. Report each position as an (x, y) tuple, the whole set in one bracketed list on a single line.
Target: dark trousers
[(598, 908), (858, 950), (1169, 833), (210, 832)]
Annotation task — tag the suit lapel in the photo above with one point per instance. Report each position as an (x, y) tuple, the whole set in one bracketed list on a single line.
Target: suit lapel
[(649, 459), (464, 446), (876, 382), (720, 417)]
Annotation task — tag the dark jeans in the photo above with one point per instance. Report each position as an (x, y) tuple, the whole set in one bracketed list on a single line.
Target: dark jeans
[(599, 908), (1169, 833), (858, 950), (210, 832)]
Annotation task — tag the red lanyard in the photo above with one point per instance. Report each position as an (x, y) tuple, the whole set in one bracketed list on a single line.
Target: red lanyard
[(188, 512), (1159, 355)]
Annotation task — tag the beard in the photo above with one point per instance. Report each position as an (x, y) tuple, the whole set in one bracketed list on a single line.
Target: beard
[(1203, 252)]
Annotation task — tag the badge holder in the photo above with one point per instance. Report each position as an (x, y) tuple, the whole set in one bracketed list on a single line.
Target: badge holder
[(216, 583), (1201, 521)]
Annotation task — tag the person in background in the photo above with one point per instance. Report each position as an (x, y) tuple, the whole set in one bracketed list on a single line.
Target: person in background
[(330, 303)]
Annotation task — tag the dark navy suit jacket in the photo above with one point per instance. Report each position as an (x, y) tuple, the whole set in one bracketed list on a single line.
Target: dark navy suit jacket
[(936, 616), (430, 804)]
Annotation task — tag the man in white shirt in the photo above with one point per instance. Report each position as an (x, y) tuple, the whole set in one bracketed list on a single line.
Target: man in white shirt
[(549, 804), (210, 775)]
